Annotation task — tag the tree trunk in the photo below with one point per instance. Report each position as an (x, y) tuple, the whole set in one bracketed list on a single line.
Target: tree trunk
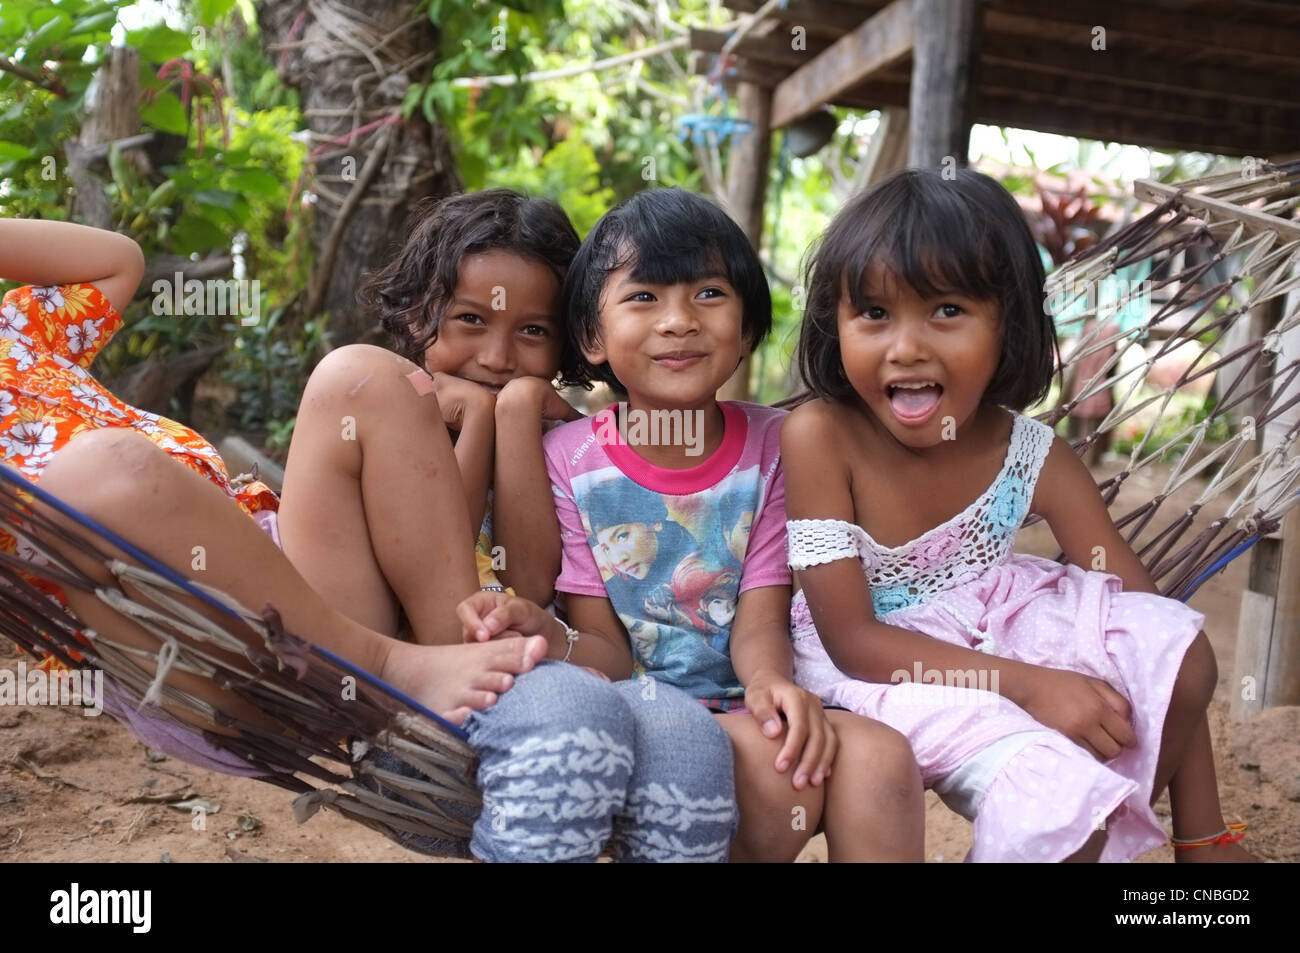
[(112, 113), (352, 63)]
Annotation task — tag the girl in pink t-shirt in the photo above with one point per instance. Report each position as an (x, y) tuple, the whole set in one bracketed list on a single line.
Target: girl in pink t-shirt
[(664, 299)]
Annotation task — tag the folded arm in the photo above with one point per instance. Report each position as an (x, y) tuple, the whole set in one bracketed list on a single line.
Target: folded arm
[(35, 252)]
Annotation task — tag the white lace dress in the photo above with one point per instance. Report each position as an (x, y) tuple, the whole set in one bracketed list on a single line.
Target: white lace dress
[(1032, 793)]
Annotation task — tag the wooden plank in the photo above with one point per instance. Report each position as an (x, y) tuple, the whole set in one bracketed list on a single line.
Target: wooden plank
[(771, 49), (819, 16), (946, 35), (1101, 92), (1128, 23), (746, 71), (891, 153), (748, 172), (1002, 108), (1250, 667), (1283, 684), (1004, 42), (1254, 221), (749, 161), (881, 40), (1017, 108)]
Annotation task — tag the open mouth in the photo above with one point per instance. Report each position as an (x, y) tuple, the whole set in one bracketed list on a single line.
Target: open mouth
[(914, 401)]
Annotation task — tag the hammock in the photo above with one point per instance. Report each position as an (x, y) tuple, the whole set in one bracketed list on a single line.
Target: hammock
[(430, 798), (1216, 253), (1222, 262)]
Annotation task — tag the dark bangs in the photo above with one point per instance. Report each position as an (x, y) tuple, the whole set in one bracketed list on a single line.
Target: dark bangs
[(963, 235), (667, 237)]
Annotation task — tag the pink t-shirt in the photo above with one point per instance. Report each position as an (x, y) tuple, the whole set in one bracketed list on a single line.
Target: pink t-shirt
[(673, 549)]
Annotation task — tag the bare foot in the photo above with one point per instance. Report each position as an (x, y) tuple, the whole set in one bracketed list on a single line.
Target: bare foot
[(1232, 853), (453, 680)]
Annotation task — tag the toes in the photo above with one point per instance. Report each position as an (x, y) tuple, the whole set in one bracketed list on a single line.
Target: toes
[(535, 649), (494, 682), (478, 700), (457, 715), (517, 656)]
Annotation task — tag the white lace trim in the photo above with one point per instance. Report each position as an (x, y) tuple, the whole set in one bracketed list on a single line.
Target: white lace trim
[(955, 552)]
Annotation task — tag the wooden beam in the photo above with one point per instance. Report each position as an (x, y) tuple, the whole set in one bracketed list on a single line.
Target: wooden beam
[(771, 49), (1160, 104), (1128, 24), (1004, 108), (822, 17), (1157, 192), (1211, 83), (1217, 85), (947, 36), (891, 153), (748, 171), (1070, 118), (749, 161), (875, 44)]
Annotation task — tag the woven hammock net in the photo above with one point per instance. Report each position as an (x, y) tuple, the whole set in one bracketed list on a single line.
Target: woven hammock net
[(1181, 336), (324, 716), (1209, 278)]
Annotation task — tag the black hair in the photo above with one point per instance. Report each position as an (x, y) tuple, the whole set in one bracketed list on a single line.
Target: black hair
[(615, 502), (734, 504), (411, 293), (939, 233), (667, 236)]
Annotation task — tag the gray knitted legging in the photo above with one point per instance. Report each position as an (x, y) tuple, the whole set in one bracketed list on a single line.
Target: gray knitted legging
[(570, 764)]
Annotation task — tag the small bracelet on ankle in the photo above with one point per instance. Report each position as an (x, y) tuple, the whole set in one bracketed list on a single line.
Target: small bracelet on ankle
[(1234, 832)]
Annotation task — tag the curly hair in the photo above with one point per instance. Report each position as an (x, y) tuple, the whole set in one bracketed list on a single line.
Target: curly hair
[(411, 293)]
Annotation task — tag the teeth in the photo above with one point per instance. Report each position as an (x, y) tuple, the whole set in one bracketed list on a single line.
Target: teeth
[(914, 385)]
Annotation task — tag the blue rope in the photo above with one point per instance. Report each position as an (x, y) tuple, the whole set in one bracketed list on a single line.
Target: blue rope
[(704, 123), (1221, 562), (11, 476)]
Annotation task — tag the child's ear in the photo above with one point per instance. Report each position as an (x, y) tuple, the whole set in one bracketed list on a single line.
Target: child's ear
[(595, 354)]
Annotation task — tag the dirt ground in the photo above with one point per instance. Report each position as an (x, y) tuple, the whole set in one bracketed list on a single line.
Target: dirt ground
[(82, 789)]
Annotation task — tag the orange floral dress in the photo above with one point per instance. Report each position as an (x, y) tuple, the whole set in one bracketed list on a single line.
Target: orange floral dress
[(48, 338)]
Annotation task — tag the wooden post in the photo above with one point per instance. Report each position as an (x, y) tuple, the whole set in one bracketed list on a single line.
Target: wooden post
[(943, 64), (747, 177), (1267, 670), (892, 152)]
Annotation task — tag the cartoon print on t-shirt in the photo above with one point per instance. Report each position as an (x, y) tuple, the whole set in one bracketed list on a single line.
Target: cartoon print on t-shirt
[(668, 561)]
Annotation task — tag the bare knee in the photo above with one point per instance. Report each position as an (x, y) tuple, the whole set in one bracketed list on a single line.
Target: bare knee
[(1197, 678), (776, 821), (356, 372), (874, 752), (102, 465)]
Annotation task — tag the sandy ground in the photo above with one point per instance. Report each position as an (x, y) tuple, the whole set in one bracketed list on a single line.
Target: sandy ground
[(82, 789)]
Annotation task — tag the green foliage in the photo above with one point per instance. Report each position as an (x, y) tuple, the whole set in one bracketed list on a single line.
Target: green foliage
[(495, 120), (568, 173), (268, 368), (52, 43), (1183, 412)]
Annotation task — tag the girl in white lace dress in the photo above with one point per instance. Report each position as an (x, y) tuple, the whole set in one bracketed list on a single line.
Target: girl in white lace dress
[(1049, 703)]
